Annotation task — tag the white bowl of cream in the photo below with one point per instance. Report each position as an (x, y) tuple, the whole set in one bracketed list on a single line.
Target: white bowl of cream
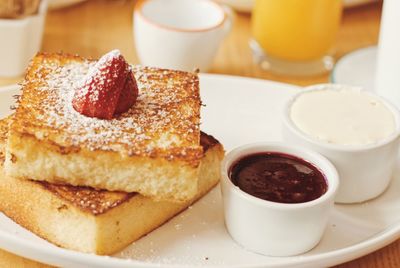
[(355, 129)]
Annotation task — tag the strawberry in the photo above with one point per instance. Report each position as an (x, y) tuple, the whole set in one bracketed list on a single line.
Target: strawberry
[(128, 95), (105, 89)]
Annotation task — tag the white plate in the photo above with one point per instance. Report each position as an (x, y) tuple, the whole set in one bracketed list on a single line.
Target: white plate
[(247, 5), (356, 68), (56, 4), (237, 111)]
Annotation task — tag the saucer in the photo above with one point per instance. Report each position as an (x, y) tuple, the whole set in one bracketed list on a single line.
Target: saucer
[(356, 68)]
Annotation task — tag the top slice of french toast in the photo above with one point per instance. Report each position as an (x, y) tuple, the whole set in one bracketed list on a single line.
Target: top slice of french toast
[(164, 122)]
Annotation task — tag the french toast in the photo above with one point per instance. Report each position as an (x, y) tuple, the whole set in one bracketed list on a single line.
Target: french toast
[(95, 221), (154, 148)]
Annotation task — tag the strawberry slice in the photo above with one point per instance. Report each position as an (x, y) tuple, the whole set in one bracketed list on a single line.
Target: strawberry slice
[(102, 91)]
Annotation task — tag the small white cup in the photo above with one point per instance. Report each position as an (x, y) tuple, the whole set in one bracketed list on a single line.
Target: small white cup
[(365, 171), (20, 39), (270, 228), (179, 34)]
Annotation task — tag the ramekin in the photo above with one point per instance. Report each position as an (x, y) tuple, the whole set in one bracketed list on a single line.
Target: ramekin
[(271, 228), (21, 39), (203, 24), (365, 171)]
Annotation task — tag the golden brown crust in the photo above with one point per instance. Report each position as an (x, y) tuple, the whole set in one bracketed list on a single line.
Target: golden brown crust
[(163, 123), (3, 136), (87, 199), (4, 129), (207, 141), (100, 201)]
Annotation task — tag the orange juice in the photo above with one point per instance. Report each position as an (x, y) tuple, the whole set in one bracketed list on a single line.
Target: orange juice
[(296, 30)]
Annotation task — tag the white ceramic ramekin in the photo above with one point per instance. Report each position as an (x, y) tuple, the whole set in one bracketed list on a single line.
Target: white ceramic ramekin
[(20, 41), (365, 171), (270, 228), (179, 34)]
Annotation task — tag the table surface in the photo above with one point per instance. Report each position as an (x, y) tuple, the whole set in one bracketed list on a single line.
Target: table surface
[(95, 27)]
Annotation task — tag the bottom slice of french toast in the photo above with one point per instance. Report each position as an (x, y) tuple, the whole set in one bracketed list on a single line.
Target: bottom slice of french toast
[(95, 221)]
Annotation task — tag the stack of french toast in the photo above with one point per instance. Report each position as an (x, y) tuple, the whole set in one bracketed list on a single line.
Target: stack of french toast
[(99, 153)]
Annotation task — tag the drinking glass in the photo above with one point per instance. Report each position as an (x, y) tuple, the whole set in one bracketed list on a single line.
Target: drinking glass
[(295, 37)]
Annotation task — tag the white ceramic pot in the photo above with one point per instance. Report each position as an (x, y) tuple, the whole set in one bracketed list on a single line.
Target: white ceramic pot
[(365, 171), (179, 34), (270, 228), (20, 39)]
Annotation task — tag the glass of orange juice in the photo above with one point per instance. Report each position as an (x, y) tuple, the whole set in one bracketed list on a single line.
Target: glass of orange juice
[(295, 37)]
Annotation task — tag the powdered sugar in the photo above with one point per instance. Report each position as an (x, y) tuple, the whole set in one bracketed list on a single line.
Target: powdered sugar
[(167, 106)]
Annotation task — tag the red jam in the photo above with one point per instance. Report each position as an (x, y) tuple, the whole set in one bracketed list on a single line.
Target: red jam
[(278, 177)]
